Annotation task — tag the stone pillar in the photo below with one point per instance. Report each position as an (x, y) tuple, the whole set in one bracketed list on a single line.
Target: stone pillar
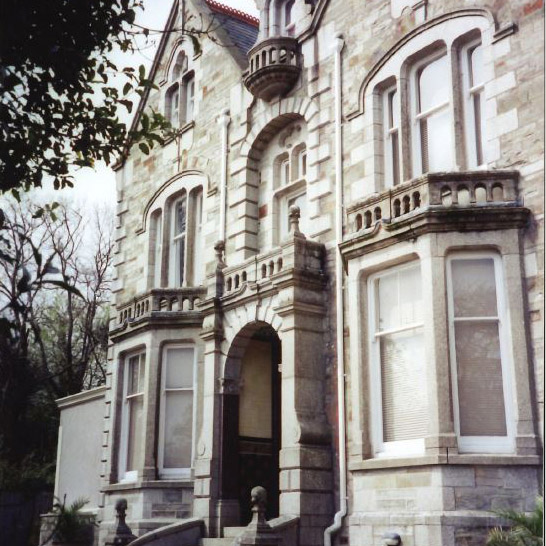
[(305, 458), (207, 460), (258, 530)]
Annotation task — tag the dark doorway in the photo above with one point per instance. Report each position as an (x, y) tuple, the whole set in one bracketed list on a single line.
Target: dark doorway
[(252, 425)]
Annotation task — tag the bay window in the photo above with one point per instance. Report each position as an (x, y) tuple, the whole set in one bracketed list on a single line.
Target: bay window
[(132, 439), (176, 411), (428, 112), (397, 361), (478, 333)]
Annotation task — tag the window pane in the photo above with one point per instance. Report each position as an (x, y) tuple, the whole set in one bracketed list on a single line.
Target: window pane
[(178, 429), (388, 302), (404, 392), (479, 377), (434, 84), (476, 66), (179, 364), (474, 291), (439, 142), (179, 259), (133, 385), (180, 216), (134, 440), (157, 249), (394, 110)]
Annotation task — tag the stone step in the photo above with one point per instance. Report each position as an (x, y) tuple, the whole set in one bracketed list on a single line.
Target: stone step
[(233, 532), (216, 541)]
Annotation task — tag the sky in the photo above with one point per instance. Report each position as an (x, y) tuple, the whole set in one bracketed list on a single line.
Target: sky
[(97, 186)]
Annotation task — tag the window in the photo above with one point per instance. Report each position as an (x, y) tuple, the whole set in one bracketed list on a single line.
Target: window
[(424, 106), (157, 236), (185, 252), (198, 238), (180, 95), (176, 411), (178, 241), (478, 332), (432, 124), (391, 125), (132, 416), (397, 361), (189, 89), (473, 86)]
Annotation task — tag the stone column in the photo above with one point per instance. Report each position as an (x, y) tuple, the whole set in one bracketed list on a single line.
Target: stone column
[(305, 458), (208, 460)]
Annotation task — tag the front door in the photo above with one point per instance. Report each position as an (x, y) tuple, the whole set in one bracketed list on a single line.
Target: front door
[(252, 426)]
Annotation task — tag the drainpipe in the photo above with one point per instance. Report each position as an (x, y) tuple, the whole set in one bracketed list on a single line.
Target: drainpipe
[(223, 121), (337, 46)]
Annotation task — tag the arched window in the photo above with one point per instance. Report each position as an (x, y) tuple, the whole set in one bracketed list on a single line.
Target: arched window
[(180, 94), (423, 106), (176, 235)]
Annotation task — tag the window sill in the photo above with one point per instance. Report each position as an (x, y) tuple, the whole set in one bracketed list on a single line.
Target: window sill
[(444, 459), (152, 484)]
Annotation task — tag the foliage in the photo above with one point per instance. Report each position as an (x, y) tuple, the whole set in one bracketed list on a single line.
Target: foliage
[(526, 530), (70, 525), (60, 92), (54, 288)]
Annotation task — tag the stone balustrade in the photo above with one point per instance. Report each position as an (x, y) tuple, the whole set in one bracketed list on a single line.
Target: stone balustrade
[(160, 300), (443, 191)]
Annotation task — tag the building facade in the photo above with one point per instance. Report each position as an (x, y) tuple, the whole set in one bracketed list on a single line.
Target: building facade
[(330, 282)]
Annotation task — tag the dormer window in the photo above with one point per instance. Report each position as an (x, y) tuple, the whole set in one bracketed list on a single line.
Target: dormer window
[(180, 95)]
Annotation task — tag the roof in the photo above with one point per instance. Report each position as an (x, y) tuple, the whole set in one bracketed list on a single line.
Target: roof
[(241, 27)]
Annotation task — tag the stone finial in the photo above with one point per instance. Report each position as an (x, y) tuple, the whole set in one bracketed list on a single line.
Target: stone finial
[(294, 217), (258, 502), (259, 532), (122, 535)]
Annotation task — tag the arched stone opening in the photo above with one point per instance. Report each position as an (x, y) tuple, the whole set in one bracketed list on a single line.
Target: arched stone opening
[(251, 421)]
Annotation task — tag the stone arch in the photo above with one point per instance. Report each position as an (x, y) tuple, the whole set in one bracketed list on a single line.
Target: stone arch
[(189, 178), (240, 343), (427, 25), (276, 116), (244, 172)]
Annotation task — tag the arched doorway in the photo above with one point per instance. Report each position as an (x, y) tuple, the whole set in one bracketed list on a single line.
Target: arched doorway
[(251, 419)]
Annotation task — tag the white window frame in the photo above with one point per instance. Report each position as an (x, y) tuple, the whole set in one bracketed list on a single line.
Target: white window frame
[(416, 116), (302, 163), (181, 473), (389, 132), (124, 474), (197, 236), (177, 278), (188, 83), (484, 444), (157, 219), (470, 91), (400, 448), (173, 104)]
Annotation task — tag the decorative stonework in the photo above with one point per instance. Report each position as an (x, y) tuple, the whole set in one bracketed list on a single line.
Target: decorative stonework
[(274, 67)]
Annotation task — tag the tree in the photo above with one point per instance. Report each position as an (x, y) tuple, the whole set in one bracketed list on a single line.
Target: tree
[(526, 530), (53, 321), (59, 101)]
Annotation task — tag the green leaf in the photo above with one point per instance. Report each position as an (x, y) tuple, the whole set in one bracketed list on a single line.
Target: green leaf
[(144, 148), (127, 88)]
